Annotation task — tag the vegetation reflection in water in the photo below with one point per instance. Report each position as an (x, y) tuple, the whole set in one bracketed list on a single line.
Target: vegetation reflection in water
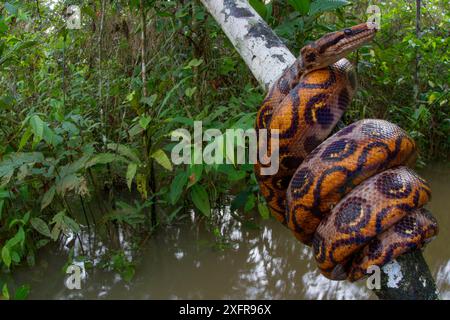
[(252, 259)]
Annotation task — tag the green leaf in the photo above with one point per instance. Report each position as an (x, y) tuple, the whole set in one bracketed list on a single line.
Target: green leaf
[(189, 92), (124, 151), (15, 160), (3, 27), (15, 50), (250, 203), (141, 184), (19, 237), (15, 222), (301, 6), (6, 256), (128, 273), (2, 203), (88, 11), (227, 65), (22, 292), (176, 188), (131, 172), (195, 174), (135, 130), (40, 226), (37, 126), (63, 222), (200, 199), (5, 292), (68, 183), (56, 231), (15, 257), (41, 130), (26, 217), (172, 215), (161, 157), (259, 7), (48, 197), (263, 211), (6, 177), (194, 63), (5, 194), (326, 5), (144, 121), (6, 102), (172, 92), (51, 137), (126, 213), (182, 120), (71, 224), (70, 128), (149, 101), (10, 8), (231, 172), (25, 137), (104, 158), (42, 242), (77, 165)]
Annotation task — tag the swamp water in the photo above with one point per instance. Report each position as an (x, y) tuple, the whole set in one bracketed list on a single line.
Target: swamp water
[(182, 262)]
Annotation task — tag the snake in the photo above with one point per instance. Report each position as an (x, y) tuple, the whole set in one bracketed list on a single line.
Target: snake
[(351, 195)]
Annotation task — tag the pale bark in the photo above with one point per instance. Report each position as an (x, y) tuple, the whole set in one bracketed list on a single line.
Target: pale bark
[(267, 57), (263, 52)]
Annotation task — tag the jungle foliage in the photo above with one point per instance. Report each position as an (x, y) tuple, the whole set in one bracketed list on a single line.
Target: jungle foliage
[(86, 114)]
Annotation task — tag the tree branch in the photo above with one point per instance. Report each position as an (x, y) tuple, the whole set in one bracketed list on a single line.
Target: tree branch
[(407, 277), (263, 52)]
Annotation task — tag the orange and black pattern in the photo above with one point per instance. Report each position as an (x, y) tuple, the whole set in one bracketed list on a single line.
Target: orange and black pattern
[(415, 230), (351, 197), (303, 121), (339, 164), (370, 209)]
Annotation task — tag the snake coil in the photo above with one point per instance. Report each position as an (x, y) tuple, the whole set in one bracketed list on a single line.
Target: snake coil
[(351, 197)]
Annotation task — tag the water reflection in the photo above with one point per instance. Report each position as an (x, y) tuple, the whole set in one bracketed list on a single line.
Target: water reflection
[(437, 252), (185, 262)]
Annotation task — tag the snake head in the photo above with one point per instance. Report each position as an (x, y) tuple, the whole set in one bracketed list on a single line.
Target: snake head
[(336, 45)]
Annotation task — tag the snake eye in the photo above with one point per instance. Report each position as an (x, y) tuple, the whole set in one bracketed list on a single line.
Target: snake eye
[(348, 32)]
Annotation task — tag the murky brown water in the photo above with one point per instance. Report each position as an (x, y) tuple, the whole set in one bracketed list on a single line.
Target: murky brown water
[(182, 262), (437, 253)]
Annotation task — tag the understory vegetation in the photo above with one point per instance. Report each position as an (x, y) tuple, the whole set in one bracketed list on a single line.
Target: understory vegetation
[(86, 114)]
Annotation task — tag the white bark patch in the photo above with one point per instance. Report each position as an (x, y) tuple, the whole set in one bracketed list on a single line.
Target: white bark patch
[(263, 52), (394, 272)]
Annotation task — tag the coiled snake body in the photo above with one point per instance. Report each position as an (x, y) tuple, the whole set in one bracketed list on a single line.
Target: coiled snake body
[(351, 197)]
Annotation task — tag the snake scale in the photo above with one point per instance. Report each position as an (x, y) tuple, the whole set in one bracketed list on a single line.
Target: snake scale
[(352, 196)]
